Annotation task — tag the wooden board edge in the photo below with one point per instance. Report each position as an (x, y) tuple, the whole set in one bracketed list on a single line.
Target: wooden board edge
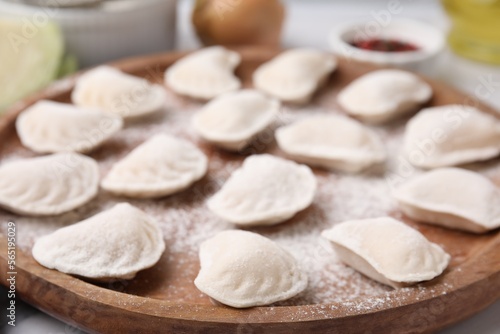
[(69, 302)]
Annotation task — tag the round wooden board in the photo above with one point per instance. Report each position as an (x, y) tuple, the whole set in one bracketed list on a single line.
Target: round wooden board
[(471, 283)]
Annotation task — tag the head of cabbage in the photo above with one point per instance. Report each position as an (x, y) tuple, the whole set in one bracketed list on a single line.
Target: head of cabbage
[(32, 55)]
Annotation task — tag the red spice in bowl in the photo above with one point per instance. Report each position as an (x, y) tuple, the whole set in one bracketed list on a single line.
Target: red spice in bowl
[(384, 45)]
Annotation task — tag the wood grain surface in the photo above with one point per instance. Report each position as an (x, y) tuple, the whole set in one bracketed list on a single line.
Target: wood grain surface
[(471, 283)]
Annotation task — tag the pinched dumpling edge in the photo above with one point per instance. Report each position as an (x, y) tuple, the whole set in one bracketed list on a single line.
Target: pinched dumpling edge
[(346, 160), (239, 140), (298, 278)]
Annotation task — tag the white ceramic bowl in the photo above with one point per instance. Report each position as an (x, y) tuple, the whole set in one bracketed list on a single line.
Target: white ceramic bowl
[(428, 38), (115, 29)]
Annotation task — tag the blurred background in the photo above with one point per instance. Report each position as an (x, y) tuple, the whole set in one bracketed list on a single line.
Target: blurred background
[(455, 41), (461, 38)]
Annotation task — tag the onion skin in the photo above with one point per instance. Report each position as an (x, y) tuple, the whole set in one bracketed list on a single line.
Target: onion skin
[(239, 22)]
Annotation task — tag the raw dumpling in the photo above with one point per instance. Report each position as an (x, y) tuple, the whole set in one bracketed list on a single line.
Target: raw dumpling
[(204, 74), (331, 142), (266, 190), (49, 127), (233, 119), (114, 244), (48, 185), (451, 135), (387, 251), (294, 75), (382, 95), (452, 197), (244, 269), (161, 166), (114, 91)]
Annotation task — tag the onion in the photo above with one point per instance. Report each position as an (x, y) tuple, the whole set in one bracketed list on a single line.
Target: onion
[(239, 22)]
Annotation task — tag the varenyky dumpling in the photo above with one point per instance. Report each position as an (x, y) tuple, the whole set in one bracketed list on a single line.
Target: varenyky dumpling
[(161, 166), (294, 75), (114, 91), (266, 190), (387, 251), (233, 119), (48, 185), (244, 269), (452, 197), (204, 74), (114, 244), (50, 127), (451, 135), (383, 95), (332, 142)]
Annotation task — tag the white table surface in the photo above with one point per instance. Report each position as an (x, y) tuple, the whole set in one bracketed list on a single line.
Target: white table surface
[(307, 24)]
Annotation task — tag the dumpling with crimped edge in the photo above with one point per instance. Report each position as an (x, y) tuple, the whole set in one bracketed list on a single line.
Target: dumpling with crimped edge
[(451, 135), (161, 166), (48, 185), (383, 95), (51, 127), (233, 119), (114, 244), (244, 269), (330, 141), (387, 251), (204, 74), (114, 91), (266, 190), (452, 197), (294, 75)]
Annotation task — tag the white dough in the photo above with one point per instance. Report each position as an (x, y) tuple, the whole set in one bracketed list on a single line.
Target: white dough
[(451, 135), (114, 91), (50, 127), (387, 251), (48, 185), (114, 244), (204, 74), (332, 142), (294, 75), (161, 166), (233, 119), (266, 190), (452, 197), (244, 269), (383, 95)]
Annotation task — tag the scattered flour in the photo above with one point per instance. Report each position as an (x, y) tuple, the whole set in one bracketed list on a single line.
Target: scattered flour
[(186, 221)]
